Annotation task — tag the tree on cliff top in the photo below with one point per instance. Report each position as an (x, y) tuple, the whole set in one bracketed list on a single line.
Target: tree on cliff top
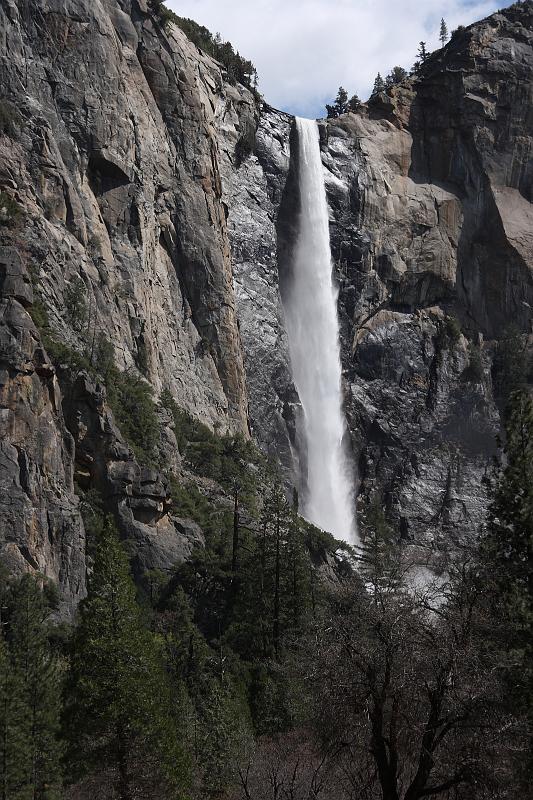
[(443, 35), (340, 106)]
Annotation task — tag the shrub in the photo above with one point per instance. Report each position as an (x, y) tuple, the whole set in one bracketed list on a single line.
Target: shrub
[(104, 358), (130, 399), (76, 304), (225, 459), (10, 119), (39, 315), (10, 211), (245, 145), (60, 354), (511, 366), (449, 333), (189, 502), (474, 372)]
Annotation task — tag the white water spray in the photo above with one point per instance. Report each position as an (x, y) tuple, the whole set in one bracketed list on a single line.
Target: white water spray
[(313, 331)]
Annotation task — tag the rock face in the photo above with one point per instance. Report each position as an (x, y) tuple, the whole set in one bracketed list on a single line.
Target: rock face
[(431, 197), (113, 160), (134, 175), (430, 191), (40, 524)]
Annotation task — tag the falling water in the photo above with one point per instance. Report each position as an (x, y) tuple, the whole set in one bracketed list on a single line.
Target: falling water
[(313, 331)]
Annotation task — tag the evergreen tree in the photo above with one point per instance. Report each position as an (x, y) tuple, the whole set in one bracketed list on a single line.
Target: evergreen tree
[(511, 367), (340, 106), (32, 709), (224, 735), (396, 76), (379, 85), (119, 701), (14, 744), (423, 54), (443, 35), (508, 564), (378, 555), (509, 545), (354, 103)]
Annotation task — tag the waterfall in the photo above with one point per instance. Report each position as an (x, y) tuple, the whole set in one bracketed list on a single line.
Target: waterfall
[(312, 327)]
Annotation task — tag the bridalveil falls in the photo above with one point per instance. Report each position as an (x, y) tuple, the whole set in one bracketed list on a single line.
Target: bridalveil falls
[(313, 331)]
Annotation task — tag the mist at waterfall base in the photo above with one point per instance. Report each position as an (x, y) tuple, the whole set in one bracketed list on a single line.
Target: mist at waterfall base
[(312, 326)]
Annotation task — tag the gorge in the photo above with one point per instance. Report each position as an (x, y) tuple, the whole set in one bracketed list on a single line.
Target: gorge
[(256, 373), (166, 198)]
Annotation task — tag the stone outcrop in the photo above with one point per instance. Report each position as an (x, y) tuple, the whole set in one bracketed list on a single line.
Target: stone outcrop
[(133, 174)]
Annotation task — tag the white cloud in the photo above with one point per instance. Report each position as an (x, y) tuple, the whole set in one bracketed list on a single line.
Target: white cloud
[(305, 49)]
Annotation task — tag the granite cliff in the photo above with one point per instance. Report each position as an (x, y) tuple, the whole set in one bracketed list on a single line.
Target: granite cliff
[(132, 171)]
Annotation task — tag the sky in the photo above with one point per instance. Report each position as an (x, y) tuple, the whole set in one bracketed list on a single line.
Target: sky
[(305, 49)]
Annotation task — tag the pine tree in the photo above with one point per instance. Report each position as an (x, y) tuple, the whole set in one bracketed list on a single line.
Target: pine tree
[(379, 85), (340, 106), (118, 701), (510, 542), (35, 704), (508, 560), (378, 555), (14, 743), (354, 103), (443, 35), (422, 52), (396, 76)]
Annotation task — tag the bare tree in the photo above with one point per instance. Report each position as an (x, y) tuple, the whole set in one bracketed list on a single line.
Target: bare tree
[(407, 694)]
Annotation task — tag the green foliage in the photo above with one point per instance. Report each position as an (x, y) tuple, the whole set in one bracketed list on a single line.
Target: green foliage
[(118, 699), (448, 334), (75, 298), (39, 315), (511, 511), (474, 372), (189, 502), (227, 735), (60, 353), (135, 411), (423, 53), (94, 520), (10, 211), (395, 77), (443, 34), (104, 359), (511, 367), (129, 397), (378, 555), (30, 697), (508, 561), (10, 119), (225, 459), (354, 103), (238, 68), (379, 86), (340, 106)]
